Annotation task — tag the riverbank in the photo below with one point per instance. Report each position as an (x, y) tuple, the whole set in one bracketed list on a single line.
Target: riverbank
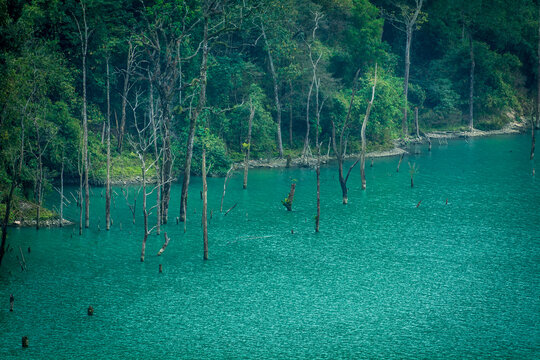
[(400, 147), (23, 214)]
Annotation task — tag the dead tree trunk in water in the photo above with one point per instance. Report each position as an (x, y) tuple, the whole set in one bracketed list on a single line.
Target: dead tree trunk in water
[(538, 75), (318, 171), (248, 147), (289, 199), (471, 84), (84, 35), (205, 206), (225, 181), (108, 185), (340, 148), (276, 91), (193, 122), (62, 192), (533, 139), (363, 132), (400, 160)]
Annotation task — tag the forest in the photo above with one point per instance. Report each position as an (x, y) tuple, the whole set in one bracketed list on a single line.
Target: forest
[(101, 92)]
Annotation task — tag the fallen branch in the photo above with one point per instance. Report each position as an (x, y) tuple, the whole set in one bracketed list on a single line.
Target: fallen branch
[(230, 209)]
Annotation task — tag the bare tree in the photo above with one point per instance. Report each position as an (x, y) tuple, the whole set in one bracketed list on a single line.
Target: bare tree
[(363, 132), (84, 36), (276, 89), (145, 140), (340, 145), (248, 143), (471, 83), (108, 185), (42, 142), (314, 64), (131, 59), (205, 205), (406, 21)]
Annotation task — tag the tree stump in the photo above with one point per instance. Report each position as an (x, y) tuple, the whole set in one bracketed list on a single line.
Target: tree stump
[(11, 302), (90, 310), (288, 165), (25, 341), (289, 199), (160, 268)]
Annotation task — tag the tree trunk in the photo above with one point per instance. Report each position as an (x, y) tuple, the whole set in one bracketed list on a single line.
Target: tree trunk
[(145, 212), (205, 206), (416, 122), (290, 115), (400, 160), (108, 185), (533, 139), (193, 122), (471, 84), (125, 92), (248, 149), (84, 51), (405, 124), (289, 200), (342, 182), (159, 173), (6, 220), (167, 162), (276, 92), (538, 76), (363, 133), (306, 139), (318, 171), (225, 181), (62, 192)]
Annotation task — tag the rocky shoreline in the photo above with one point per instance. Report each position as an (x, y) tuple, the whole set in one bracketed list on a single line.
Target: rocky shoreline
[(42, 223)]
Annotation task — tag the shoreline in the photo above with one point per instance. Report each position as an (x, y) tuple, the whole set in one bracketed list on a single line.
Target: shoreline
[(398, 149)]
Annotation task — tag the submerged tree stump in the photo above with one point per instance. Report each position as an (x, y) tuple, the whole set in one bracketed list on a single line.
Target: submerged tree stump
[(11, 302), (25, 341), (289, 199), (160, 268), (90, 310)]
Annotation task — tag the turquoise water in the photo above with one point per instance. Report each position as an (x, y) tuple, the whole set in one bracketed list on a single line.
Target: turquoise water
[(383, 278)]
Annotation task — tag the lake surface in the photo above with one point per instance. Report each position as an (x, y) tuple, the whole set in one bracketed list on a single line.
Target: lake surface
[(383, 278)]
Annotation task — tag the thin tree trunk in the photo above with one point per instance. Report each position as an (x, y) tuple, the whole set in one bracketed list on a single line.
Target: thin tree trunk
[(145, 212), (416, 122), (6, 220), (125, 92), (533, 139), (363, 133), (290, 115), (159, 174), (205, 206), (405, 124), (108, 185), (276, 91), (225, 181), (318, 171), (167, 162), (193, 122), (306, 138), (471, 84), (248, 149), (62, 192), (538, 75)]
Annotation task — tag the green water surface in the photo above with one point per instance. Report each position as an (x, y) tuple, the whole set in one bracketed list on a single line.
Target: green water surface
[(383, 278)]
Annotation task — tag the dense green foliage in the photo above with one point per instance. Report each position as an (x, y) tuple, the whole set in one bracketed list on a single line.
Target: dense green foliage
[(41, 85)]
